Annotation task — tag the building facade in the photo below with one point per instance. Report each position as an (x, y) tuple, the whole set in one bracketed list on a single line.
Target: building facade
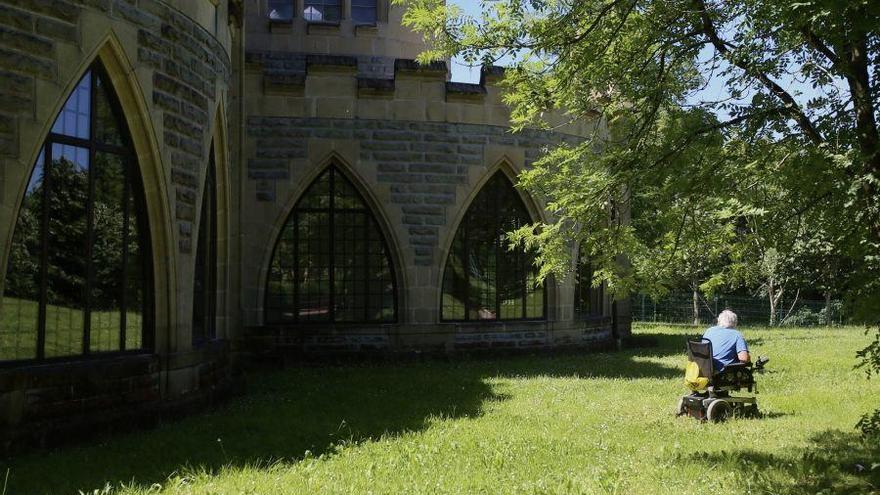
[(187, 183)]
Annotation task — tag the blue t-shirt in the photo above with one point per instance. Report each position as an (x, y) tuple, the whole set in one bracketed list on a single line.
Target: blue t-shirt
[(726, 344)]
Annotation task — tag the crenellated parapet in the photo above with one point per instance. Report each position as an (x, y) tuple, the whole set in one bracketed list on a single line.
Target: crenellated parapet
[(370, 87)]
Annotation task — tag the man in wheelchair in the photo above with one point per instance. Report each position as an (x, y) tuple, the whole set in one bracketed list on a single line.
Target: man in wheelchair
[(719, 363)]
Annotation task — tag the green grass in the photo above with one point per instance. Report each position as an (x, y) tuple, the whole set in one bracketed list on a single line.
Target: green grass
[(589, 423)]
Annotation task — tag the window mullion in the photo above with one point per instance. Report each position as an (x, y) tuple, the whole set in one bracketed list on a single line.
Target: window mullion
[(44, 250), (297, 273), (332, 263), (126, 220)]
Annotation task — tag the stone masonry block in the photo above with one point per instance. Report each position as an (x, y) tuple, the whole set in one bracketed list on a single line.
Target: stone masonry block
[(53, 8), (16, 18), (26, 64), (433, 168)]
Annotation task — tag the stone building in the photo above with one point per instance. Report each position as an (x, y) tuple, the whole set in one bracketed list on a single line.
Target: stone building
[(186, 182)]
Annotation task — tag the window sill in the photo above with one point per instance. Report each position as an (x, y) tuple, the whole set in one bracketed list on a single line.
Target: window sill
[(321, 27), (280, 25), (366, 28)]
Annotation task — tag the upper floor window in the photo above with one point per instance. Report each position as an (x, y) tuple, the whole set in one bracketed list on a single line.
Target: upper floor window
[(363, 11), (322, 10), (280, 10), (78, 278), (331, 262), (484, 280)]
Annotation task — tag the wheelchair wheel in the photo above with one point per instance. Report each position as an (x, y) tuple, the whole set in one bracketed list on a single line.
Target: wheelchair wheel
[(680, 409), (718, 410)]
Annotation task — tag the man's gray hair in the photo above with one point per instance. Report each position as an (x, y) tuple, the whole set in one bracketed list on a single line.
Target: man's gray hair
[(727, 319)]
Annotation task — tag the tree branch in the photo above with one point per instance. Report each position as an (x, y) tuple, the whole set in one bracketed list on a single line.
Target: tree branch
[(791, 106)]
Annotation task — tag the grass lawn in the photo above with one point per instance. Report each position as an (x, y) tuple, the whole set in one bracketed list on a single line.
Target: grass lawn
[(590, 423)]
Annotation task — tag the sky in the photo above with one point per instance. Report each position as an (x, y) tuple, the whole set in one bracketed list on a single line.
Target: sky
[(714, 91)]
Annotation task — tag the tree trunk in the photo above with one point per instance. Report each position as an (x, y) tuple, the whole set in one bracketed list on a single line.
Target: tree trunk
[(828, 308), (771, 296)]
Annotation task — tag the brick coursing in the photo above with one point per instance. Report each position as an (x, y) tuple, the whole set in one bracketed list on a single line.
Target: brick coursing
[(421, 163)]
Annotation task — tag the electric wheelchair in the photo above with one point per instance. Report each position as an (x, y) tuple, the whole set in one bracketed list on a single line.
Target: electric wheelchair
[(711, 399)]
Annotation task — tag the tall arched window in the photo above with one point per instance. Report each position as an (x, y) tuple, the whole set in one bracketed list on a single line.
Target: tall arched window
[(204, 325), (588, 300), (78, 276), (484, 280), (331, 261)]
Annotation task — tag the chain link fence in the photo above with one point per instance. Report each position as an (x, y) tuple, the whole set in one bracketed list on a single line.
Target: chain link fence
[(679, 308)]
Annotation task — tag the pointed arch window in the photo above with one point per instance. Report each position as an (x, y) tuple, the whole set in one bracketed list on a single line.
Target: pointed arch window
[(331, 262), (78, 278), (483, 279), (204, 325), (588, 300)]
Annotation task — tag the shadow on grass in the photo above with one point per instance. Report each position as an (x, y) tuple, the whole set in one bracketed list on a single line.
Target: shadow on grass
[(292, 413), (835, 462)]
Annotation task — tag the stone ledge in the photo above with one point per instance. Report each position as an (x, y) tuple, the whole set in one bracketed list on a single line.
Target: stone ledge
[(465, 92), (491, 74), (322, 27), (333, 63), (409, 66), (286, 84), (375, 86)]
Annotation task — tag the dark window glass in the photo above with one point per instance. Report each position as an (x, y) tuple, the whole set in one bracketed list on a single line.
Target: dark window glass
[(205, 285), (107, 123), (79, 234), (363, 11), (19, 313), (280, 10), (587, 299), (331, 262), (75, 116), (484, 280), (322, 10)]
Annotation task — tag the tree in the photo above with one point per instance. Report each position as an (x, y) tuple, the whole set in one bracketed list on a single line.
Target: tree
[(798, 108)]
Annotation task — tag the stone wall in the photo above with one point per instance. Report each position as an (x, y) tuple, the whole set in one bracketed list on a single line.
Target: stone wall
[(169, 62), (421, 170), (49, 404)]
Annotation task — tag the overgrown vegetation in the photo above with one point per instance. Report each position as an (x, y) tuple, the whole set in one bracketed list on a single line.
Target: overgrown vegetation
[(585, 423)]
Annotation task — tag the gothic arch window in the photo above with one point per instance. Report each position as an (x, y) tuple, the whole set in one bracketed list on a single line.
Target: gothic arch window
[(331, 263), (204, 325), (78, 279), (588, 300), (483, 279)]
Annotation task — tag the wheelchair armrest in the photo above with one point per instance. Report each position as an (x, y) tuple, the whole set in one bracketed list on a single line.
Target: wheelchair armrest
[(736, 366)]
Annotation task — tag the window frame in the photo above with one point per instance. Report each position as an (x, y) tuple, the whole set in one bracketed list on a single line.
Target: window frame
[(292, 218), (353, 4), (499, 254), (208, 249), (340, 4), (281, 20), (595, 295), (133, 185)]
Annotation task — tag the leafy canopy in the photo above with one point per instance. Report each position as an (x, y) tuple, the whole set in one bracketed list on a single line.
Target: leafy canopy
[(741, 135)]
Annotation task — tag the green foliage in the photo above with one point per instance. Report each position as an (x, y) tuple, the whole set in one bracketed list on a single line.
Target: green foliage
[(767, 188), (592, 423)]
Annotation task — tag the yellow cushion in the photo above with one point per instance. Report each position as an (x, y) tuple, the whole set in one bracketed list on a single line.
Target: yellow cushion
[(693, 379)]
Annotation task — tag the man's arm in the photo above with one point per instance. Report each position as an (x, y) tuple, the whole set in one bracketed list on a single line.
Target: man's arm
[(742, 349)]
